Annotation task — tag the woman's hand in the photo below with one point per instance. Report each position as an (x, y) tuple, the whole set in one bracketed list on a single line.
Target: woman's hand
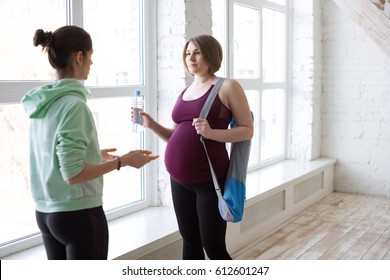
[(148, 120), (137, 158), (202, 127), (106, 156)]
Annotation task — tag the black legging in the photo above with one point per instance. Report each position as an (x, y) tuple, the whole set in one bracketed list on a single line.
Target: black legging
[(76, 235), (200, 224)]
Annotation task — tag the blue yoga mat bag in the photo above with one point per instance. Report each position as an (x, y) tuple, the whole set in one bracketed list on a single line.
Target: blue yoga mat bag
[(231, 202), (235, 189)]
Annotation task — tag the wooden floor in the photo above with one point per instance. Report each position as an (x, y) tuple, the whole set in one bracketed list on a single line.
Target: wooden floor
[(340, 226)]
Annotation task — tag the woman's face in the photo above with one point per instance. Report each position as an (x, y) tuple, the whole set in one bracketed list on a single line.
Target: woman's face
[(196, 63)]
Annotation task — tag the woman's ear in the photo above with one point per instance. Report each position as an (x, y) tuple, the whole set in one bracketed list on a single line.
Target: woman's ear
[(79, 57)]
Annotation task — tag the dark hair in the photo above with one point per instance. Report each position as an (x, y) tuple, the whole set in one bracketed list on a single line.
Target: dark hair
[(210, 49), (62, 43)]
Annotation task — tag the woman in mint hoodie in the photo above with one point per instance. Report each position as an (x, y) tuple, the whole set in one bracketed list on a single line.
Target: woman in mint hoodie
[(67, 165)]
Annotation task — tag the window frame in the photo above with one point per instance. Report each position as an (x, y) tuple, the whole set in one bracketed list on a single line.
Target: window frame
[(258, 84), (11, 92)]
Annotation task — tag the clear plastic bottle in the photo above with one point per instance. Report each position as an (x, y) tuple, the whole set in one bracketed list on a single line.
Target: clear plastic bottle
[(138, 106), (387, 8)]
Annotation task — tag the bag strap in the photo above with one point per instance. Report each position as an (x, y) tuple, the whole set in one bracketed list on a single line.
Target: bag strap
[(203, 114), (210, 99)]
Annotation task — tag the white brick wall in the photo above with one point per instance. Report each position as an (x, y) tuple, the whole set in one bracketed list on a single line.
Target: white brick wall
[(177, 21), (306, 80), (355, 106)]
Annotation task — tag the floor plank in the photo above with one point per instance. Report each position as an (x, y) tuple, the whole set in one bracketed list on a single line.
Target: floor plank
[(340, 226)]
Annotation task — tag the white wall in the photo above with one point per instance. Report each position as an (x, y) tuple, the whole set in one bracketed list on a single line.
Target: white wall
[(177, 21), (306, 80), (355, 105)]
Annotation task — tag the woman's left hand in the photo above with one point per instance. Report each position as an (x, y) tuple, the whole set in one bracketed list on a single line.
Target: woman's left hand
[(106, 156), (202, 127)]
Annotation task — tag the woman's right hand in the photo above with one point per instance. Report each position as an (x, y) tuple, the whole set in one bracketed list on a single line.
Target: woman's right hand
[(148, 120), (162, 132)]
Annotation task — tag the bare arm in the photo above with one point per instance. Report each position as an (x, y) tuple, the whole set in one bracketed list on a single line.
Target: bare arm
[(162, 132), (137, 159), (233, 97)]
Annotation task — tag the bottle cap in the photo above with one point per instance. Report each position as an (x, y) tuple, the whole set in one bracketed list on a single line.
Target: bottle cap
[(137, 93)]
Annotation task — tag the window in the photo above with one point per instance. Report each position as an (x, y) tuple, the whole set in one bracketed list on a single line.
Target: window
[(119, 68), (117, 39), (254, 36), (19, 58)]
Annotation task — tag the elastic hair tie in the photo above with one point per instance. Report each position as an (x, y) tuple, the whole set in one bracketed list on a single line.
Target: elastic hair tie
[(49, 37)]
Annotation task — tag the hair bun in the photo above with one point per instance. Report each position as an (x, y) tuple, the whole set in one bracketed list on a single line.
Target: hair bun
[(42, 38)]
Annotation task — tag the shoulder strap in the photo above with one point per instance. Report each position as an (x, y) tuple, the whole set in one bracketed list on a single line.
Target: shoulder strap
[(210, 99), (203, 114)]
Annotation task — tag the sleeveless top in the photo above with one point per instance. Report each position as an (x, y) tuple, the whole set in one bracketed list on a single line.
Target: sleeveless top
[(185, 158)]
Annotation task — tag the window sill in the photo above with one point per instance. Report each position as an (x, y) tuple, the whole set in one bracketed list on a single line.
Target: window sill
[(276, 177), (138, 234)]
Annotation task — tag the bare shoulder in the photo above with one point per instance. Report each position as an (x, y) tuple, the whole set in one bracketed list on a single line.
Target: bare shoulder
[(231, 84), (231, 92), (231, 87)]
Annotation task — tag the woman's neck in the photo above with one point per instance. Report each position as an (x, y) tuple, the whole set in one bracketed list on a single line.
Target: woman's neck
[(203, 80)]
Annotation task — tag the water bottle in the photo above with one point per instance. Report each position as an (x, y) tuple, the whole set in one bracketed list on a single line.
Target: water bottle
[(138, 106), (387, 8)]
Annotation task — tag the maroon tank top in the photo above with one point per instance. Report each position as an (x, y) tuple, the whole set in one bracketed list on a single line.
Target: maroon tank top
[(185, 158)]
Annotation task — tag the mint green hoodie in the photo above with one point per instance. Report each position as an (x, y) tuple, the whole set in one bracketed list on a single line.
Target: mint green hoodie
[(63, 139)]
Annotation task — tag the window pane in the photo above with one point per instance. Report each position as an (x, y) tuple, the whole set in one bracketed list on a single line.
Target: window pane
[(20, 60), (116, 35), (272, 123), (274, 34), (246, 42), (280, 2), (114, 126), (17, 211)]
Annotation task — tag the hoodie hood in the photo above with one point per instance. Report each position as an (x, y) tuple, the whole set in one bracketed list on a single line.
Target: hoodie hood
[(37, 101)]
